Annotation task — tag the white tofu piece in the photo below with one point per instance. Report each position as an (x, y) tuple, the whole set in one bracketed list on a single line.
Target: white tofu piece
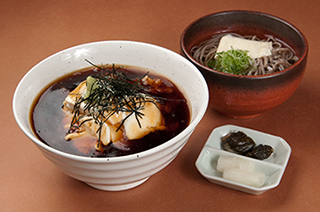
[(70, 100), (115, 118), (108, 132), (256, 48), (92, 128), (151, 121)]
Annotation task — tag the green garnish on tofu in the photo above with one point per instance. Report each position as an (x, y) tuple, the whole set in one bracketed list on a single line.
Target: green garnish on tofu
[(234, 61), (91, 83)]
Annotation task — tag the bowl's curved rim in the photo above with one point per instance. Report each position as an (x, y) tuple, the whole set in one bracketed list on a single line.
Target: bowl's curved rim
[(138, 155), (301, 35)]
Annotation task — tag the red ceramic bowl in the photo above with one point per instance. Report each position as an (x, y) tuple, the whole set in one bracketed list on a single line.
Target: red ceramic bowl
[(247, 96)]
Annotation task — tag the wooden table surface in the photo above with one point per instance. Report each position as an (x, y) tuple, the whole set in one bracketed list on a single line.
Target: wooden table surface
[(32, 30)]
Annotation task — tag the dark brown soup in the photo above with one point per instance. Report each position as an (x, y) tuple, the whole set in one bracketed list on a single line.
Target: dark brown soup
[(49, 122)]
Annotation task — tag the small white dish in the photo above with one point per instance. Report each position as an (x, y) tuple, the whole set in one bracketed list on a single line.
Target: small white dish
[(273, 167)]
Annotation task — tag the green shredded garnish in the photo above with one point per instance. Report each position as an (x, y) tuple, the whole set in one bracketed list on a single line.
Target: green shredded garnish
[(232, 62)]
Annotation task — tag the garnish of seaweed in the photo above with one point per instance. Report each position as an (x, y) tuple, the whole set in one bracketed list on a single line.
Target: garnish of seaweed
[(109, 93)]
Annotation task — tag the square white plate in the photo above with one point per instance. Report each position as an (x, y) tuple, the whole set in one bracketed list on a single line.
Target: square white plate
[(273, 167)]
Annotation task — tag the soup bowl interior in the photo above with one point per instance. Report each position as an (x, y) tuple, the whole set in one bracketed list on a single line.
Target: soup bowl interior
[(123, 172), (247, 96)]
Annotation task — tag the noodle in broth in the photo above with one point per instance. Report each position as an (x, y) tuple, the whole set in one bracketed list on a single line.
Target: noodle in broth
[(281, 56)]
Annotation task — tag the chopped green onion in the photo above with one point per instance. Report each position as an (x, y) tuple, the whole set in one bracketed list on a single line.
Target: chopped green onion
[(232, 62)]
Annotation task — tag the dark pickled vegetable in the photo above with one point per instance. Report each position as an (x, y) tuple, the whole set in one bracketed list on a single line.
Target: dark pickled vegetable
[(261, 152), (240, 143)]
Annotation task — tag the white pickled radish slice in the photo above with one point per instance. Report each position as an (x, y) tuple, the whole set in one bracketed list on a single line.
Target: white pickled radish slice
[(248, 178), (225, 161)]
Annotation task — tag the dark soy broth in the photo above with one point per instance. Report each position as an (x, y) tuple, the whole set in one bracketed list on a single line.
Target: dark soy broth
[(49, 120)]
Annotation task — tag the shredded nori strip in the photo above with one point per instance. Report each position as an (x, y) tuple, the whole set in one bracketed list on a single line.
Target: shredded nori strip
[(110, 93)]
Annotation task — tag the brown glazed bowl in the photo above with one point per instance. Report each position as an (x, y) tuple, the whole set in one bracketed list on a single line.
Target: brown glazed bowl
[(247, 96)]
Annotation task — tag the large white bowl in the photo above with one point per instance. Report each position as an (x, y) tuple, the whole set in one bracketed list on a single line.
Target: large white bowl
[(113, 173)]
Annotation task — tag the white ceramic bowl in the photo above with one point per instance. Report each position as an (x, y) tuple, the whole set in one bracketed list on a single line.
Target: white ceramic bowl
[(113, 173), (272, 167)]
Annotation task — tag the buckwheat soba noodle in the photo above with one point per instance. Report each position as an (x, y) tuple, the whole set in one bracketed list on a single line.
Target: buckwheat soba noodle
[(281, 56)]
